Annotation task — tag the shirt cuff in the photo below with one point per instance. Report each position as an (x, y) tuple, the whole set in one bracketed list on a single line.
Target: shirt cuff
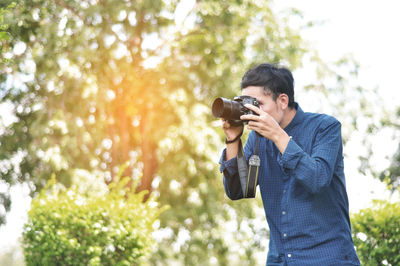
[(291, 156), (230, 166)]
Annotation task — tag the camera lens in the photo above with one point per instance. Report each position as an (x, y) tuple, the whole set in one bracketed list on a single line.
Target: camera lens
[(218, 107), (227, 109)]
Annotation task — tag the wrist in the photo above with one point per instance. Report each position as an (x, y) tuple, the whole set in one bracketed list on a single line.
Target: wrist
[(282, 140), (237, 138)]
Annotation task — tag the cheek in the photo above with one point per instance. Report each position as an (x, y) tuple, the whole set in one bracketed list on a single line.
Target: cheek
[(266, 109)]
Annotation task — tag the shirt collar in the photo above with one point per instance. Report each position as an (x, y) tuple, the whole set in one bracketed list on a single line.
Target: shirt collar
[(297, 119)]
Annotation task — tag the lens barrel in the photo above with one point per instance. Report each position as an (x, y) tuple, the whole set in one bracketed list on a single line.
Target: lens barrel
[(227, 109)]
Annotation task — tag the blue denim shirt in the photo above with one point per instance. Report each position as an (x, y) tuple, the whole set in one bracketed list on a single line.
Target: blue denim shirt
[(303, 192)]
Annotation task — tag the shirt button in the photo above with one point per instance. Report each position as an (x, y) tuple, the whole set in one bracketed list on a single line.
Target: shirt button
[(284, 191), (289, 255), (284, 235), (283, 213)]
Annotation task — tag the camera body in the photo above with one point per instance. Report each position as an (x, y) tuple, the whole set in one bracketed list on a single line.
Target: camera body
[(232, 110)]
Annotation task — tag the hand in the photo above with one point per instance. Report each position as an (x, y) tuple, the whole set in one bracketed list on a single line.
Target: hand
[(265, 125), (231, 132)]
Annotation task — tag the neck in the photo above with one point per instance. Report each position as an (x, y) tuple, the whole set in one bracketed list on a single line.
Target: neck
[(288, 117)]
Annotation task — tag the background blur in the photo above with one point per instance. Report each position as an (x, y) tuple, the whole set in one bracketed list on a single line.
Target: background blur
[(86, 86)]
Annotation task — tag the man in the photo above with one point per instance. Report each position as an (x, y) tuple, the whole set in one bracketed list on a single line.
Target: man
[(301, 176)]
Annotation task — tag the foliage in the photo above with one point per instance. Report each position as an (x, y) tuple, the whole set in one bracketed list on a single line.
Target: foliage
[(5, 201), (4, 35), (89, 226), (94, 84), (376, 234), (391, 176)]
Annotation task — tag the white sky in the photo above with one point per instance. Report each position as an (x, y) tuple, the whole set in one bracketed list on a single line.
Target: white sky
[(369, 29)]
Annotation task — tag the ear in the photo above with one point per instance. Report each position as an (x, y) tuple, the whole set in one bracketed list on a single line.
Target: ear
[(283, 101)]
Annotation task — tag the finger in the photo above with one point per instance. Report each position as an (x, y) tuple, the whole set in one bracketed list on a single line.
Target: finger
[(253, 124), (253, 127), (254, 108), (250, 117)]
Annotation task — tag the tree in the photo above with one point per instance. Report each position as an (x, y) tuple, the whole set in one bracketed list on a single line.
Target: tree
[(391, 175), (5, 202), (376, 234), (4, 35), (97, 83)]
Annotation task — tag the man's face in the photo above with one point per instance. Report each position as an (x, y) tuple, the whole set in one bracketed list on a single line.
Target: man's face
[(267, 103)]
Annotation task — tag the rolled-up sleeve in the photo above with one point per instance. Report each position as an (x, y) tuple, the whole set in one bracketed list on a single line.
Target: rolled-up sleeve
[(231, 180), (229, 168), (315, 170)]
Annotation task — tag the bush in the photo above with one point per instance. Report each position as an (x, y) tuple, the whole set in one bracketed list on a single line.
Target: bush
[(376, 234), (78, 226)]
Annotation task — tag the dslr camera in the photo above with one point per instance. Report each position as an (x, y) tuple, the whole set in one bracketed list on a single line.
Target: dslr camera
[(232, 110)]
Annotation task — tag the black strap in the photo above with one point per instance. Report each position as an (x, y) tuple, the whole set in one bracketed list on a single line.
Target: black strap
[(248, 175), (242, 168)]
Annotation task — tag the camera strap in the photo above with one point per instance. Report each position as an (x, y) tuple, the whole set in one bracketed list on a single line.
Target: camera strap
[(248, 175)]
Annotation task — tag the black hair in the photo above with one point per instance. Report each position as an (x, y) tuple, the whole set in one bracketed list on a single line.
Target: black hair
[(274, 79)]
